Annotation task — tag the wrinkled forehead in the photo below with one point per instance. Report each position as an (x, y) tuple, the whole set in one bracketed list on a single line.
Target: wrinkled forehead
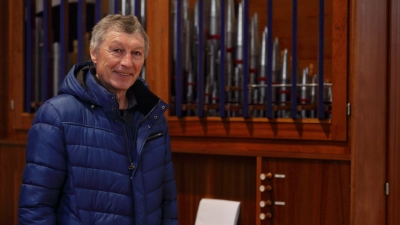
[(113, 33), (123, 38)]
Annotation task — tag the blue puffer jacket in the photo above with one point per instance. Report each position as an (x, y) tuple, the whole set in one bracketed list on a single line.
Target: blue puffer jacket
[(77, 169)]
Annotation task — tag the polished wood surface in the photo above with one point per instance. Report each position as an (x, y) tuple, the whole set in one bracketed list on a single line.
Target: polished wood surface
[(312, 192), (261, 147), (15, 68), (394, 116), (368, 93), (3, 66), (12, 161), (215, 176), (307, 129), (158, 60), (340, 49)]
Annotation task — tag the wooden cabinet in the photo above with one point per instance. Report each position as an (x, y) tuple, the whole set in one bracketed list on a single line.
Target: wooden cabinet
[(215, 176), (314, 154), (335, 169), (353, 138), (335, 70), (303, 191)]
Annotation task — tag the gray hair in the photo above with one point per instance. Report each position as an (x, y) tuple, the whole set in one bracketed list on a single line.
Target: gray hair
[(128, 24)]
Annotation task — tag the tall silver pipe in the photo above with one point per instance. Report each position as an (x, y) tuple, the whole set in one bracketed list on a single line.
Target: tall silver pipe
[(190, 91), (229, 44), (143, 22), (328, 100), (239, 40), (210, 76), (110, 6), (187, 37), (131, 7), (284, 92), (143, 13), (262, 75), (276, 69), (214, 18), (237, 81), (304, 92), (56, 67), (38, 56), (254, 51), (213, 43), (194, 50), (313, 95), (239, 55), (125, 7), (174, 28)]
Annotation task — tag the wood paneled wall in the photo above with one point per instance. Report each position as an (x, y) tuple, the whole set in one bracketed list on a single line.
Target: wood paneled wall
[(12, 162), (215, 176), (312, 192), (368, 96), (3, 67), (394, 116)]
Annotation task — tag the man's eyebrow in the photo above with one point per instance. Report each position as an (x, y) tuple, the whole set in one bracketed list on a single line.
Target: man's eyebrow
[(115, 42), (139, 47)]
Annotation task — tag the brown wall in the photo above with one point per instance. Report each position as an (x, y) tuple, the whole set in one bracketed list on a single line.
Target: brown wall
[(12, 161), (393, 139), (3, 68), (215, 176), (368, 96)]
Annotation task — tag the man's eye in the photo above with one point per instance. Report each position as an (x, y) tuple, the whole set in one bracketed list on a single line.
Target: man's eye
[(137, 55), (117, 50)]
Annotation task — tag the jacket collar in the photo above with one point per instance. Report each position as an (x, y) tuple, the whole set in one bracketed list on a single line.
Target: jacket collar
[(82, 83)]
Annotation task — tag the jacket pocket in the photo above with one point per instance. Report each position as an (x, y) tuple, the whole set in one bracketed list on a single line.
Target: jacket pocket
[(154, 136)]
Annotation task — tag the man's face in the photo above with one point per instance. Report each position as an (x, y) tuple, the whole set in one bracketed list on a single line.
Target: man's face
[(119, 60)]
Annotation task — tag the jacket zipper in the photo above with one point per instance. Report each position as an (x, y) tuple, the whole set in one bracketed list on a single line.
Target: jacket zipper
[(137, 127), (131, 166), (131, 161), (134, 146)]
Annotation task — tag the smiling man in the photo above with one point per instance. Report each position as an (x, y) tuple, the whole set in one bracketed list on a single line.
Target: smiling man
[(99, 152)]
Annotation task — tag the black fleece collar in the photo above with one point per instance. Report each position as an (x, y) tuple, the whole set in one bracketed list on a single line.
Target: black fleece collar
[(145, 99)]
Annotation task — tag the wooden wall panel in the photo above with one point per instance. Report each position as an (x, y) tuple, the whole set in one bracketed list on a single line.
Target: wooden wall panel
[(394, 116), (15, 68), (12, 162), (368, 96), (314, 192), (262, 147), (158, 60), (215, 176), (3, 67)]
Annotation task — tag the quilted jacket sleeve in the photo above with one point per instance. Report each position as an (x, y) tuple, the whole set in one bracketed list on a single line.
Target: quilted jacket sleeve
[(170, 205), (45, 169)]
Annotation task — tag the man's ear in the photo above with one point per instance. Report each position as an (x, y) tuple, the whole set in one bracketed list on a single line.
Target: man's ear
[(93, 56)]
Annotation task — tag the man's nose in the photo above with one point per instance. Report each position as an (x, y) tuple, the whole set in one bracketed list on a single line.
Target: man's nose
[(127, 60)]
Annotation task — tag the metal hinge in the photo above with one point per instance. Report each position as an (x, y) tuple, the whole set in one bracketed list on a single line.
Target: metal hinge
[(387, 188), (348, 109)]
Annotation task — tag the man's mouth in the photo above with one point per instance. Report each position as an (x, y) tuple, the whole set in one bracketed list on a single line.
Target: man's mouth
[(123, 74)]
